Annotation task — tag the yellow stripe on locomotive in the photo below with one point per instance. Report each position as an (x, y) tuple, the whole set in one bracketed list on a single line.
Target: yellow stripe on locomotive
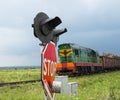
[(65, 52)]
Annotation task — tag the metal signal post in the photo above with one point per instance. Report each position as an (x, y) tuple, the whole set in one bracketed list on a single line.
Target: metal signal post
[(45, 30), (49, 62)]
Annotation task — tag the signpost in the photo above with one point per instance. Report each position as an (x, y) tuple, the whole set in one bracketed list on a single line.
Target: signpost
[(49, 61), (45, 30)]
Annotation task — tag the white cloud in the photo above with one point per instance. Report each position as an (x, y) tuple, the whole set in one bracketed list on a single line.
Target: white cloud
[(21, 60), (10, 36)]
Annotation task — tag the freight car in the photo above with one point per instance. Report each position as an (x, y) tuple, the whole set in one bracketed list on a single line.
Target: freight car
[(75, 59), (110, 63)]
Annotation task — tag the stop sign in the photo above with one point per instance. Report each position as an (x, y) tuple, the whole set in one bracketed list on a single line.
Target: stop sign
[(49, 61)]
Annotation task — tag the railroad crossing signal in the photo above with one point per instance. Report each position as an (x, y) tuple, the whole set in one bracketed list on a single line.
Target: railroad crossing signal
[(49, 61), (44, 28)]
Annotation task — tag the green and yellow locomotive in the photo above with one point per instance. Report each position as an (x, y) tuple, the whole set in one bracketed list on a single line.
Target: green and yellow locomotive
[(77, 59)]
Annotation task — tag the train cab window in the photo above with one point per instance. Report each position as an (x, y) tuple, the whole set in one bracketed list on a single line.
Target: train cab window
[(76, 52)]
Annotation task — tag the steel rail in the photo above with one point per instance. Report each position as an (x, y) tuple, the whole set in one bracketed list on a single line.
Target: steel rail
[(19, 82)]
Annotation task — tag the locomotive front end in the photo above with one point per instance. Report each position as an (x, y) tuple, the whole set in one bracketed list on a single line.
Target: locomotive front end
[(66, 59)]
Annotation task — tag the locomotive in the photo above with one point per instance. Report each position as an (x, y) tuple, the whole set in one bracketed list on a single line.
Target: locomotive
[(75, 59)]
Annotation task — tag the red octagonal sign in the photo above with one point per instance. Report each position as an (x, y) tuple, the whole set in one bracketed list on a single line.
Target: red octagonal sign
[(49, 61)]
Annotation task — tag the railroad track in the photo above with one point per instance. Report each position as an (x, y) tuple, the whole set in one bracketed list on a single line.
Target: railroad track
[(19, 82)]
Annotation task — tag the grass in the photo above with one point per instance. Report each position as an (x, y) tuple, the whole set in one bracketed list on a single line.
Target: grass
[(104, 86), (28, 91), (99, 86), (19, 75)]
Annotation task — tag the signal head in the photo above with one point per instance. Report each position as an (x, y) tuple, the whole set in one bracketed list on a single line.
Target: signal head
[(44, 27)]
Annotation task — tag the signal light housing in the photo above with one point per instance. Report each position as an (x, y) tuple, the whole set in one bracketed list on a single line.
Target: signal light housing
[(44, 28)]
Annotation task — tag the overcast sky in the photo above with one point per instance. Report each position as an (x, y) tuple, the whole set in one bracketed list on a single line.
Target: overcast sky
[(90, 23)]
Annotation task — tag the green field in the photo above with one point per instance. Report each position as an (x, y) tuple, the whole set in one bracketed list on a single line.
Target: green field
[(19, 75), (104, 86)]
